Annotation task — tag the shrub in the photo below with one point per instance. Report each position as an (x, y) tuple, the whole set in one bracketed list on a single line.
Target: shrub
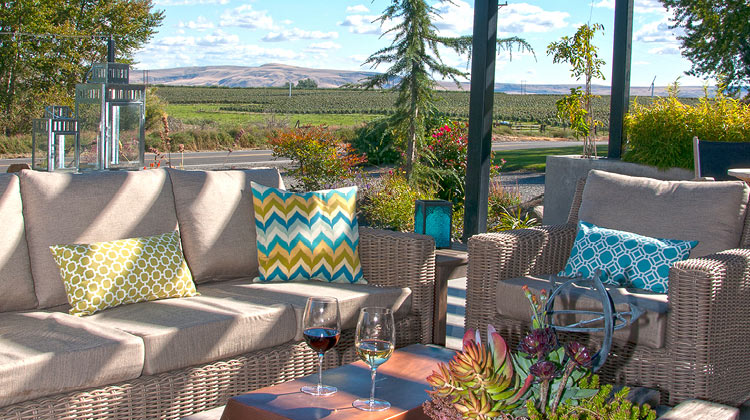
[(445, 159), (318, 156), (16, 145), (390, 203), (376, 141), (660, 134)]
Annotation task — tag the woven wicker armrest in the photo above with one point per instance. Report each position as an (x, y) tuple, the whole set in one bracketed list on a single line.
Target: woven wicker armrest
[(708, 332), (397, 259), (510, 254)]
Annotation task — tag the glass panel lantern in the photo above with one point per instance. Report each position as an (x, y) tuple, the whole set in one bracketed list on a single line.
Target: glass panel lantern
[(54, 140), (434, 218), (112, 119)]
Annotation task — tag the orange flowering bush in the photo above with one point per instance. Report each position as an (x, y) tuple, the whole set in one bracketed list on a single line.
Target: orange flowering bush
[(321, 159)]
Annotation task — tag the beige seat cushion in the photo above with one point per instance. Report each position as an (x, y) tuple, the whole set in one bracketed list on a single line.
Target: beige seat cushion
[(64, 208), (184, 332), (16, 283), (351, 297), (712, 213), (649, 330), (217, 222), (44, 353)]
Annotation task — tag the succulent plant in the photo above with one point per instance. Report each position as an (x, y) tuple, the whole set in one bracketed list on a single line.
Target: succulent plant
[(480, 380), (538, 343), (578, 353)]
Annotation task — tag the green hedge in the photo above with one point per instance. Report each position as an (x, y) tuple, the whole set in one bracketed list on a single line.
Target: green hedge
[(661, 134)]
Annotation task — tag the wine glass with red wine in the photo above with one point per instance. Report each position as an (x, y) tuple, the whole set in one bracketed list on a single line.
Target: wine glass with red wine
[(322, 329)]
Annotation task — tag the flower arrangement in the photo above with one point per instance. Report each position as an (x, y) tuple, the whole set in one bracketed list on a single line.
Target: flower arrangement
[(542, 380)]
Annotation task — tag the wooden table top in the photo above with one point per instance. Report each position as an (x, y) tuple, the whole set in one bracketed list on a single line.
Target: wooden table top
[(400, 381)]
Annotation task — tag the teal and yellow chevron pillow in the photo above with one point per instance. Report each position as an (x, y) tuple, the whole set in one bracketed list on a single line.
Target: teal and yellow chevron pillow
[(307, 236)]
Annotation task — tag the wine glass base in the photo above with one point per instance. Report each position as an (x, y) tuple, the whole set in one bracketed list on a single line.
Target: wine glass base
[(319, 391), (365, 404)]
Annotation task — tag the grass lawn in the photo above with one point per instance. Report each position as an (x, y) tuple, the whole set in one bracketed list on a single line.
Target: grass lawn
[(535, 159), (210, 113)]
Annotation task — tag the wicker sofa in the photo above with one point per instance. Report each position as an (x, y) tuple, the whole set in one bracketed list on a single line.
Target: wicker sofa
[(173, 357), (691, 342)]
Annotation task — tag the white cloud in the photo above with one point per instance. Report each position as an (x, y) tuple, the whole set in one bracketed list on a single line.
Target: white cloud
[(665, 50), (454, 18), (658, 31), (296, 33), (362, 24), (200, 24), (188, 2), (358, 58), (218, 48), (639, 6), (245, 17), (457, 18), (323, 46), (521, 18), (360, 8)]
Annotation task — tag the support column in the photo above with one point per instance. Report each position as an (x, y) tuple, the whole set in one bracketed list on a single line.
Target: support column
[(480, 116), (620, 94)]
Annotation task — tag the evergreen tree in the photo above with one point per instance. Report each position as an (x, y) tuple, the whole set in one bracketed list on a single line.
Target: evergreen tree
[(415, 61)]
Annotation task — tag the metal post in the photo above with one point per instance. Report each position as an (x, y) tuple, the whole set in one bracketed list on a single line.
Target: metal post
[(111, 50), (480, 116), (620, 94)]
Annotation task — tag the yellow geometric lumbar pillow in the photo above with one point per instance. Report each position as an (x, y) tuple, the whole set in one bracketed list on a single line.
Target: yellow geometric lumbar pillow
[(107, 274)]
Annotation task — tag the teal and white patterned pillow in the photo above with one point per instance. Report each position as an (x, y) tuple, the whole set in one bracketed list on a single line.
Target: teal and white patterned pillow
[(625, 258)]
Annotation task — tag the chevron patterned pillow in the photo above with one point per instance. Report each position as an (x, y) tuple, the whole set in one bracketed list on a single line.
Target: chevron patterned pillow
[(307, 236)]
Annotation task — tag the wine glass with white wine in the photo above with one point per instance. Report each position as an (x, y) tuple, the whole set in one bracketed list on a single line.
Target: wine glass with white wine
[(322, 329), (375, 340)]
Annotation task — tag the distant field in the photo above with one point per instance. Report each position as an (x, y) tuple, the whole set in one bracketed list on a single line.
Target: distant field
[(213, 114), (243, 104)]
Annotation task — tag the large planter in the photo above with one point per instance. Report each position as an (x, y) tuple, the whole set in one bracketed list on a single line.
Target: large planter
[(563, 172)]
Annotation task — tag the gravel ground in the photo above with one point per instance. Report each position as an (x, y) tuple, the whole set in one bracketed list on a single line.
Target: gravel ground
[(529, 184)]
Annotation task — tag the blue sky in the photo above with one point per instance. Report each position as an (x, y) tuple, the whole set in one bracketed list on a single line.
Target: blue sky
[(339, 34)]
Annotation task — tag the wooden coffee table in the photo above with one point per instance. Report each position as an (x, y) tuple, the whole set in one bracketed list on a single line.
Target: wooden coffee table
[(401, 381)]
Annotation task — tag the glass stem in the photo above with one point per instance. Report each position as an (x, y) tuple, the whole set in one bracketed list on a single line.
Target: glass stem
[(372, 387), (320, 371)]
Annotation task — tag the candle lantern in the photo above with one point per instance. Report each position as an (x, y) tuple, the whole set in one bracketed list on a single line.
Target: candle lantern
[(112, 119), (54, 140), (434, 218)]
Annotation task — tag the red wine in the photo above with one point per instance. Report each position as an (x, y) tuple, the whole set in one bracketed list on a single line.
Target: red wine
[(321, 339)]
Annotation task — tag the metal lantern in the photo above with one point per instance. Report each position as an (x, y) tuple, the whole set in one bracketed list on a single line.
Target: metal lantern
[(54, 140), (434, 218), (112, 119)]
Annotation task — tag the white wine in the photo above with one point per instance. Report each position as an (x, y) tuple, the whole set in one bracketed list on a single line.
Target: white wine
[(374, 352)]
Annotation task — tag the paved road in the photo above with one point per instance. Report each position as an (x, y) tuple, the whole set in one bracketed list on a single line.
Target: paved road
[(264, 158)]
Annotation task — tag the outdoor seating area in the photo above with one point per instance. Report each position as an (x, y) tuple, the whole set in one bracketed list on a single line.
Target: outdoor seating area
[(174, 357), (691, 341)]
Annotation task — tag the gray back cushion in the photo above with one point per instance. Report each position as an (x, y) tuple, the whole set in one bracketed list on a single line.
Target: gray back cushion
[(16, 283), (217, 220), (63, 208), (712, 213)]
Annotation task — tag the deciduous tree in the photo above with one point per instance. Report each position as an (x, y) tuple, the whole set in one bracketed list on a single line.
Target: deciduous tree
[(582, 55), (47, 46), (716, 39)]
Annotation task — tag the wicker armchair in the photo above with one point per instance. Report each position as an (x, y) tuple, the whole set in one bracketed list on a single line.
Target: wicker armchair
[(707, 337)]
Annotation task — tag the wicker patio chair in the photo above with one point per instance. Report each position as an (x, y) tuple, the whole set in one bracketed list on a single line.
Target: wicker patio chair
[(707, 337)]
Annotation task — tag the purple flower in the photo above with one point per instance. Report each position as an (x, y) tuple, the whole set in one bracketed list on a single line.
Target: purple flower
[(578, 353), (538, 343), (544, 371)]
